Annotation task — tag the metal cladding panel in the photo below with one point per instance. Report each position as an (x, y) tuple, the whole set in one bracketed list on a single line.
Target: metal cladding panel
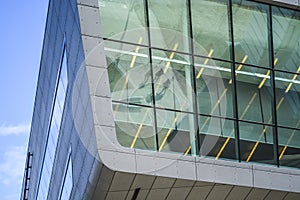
[(292, 2)]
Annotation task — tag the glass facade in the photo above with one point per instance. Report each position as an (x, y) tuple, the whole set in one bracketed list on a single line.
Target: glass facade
[(205, 78), (54, 129), (67, 184)]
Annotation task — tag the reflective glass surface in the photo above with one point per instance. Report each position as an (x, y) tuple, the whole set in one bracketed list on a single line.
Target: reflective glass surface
[(169, 24), (123, 20), (129, 73), (254, 94), (250, 32), (214, 91), (174, 131), (172, 74), (211, 28), (213, 78), (54, 129), (256, 143), (288, 98), (286, 31), (289, 146), (217, 137), (134, 126), (67, 184)]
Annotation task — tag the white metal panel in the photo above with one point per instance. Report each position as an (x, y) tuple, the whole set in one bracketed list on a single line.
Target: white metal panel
[(98, 81), (103, 114), (117, 160), (94, 51), (89, 20), (93, 3)]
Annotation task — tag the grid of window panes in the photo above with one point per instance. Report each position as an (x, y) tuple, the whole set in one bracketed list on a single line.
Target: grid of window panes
[(67, 182), (49, 155), (209, 78)]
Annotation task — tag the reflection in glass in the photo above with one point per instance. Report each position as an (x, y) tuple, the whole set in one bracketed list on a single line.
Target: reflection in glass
[(176, 131), (254, 94), (214, 93), (217, 137), (162, 87), (67, 182), (53, 134), (210, 28), (286, 31), (169, 24), (173, 80), (129, 73), (289, 146), (250, 32), (123, 20), (134, 126), (288, 95), (256, 143)]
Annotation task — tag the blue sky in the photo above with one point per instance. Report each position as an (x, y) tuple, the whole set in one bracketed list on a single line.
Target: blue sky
[(22, 27)]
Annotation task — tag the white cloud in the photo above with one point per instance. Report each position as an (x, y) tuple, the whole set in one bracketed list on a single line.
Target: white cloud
[(14, 130), (12, 167)]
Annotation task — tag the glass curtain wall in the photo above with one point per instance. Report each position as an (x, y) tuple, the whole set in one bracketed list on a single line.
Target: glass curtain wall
[(54, 128), (217, 79)]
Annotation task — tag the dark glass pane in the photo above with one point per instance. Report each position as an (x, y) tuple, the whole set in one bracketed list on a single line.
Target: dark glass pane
[(256, 143), (217, 137), (176, 131), (289, 147)]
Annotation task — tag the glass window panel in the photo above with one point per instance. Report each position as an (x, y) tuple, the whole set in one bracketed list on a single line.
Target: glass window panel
[(217, 137), (134, 126), (123, 20), (129, 73), (289, 147), (288, 97), (53, 133), (250, 32), (254, 94), (173, 80), (256, 143), (56, 116), (67, 182), (176, 131), (286, 31), (214, 91), (211, 28), (60, 98), (64, 73), (169, 24)]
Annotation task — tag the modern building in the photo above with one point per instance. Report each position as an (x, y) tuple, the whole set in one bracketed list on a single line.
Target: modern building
[(173, 99)]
